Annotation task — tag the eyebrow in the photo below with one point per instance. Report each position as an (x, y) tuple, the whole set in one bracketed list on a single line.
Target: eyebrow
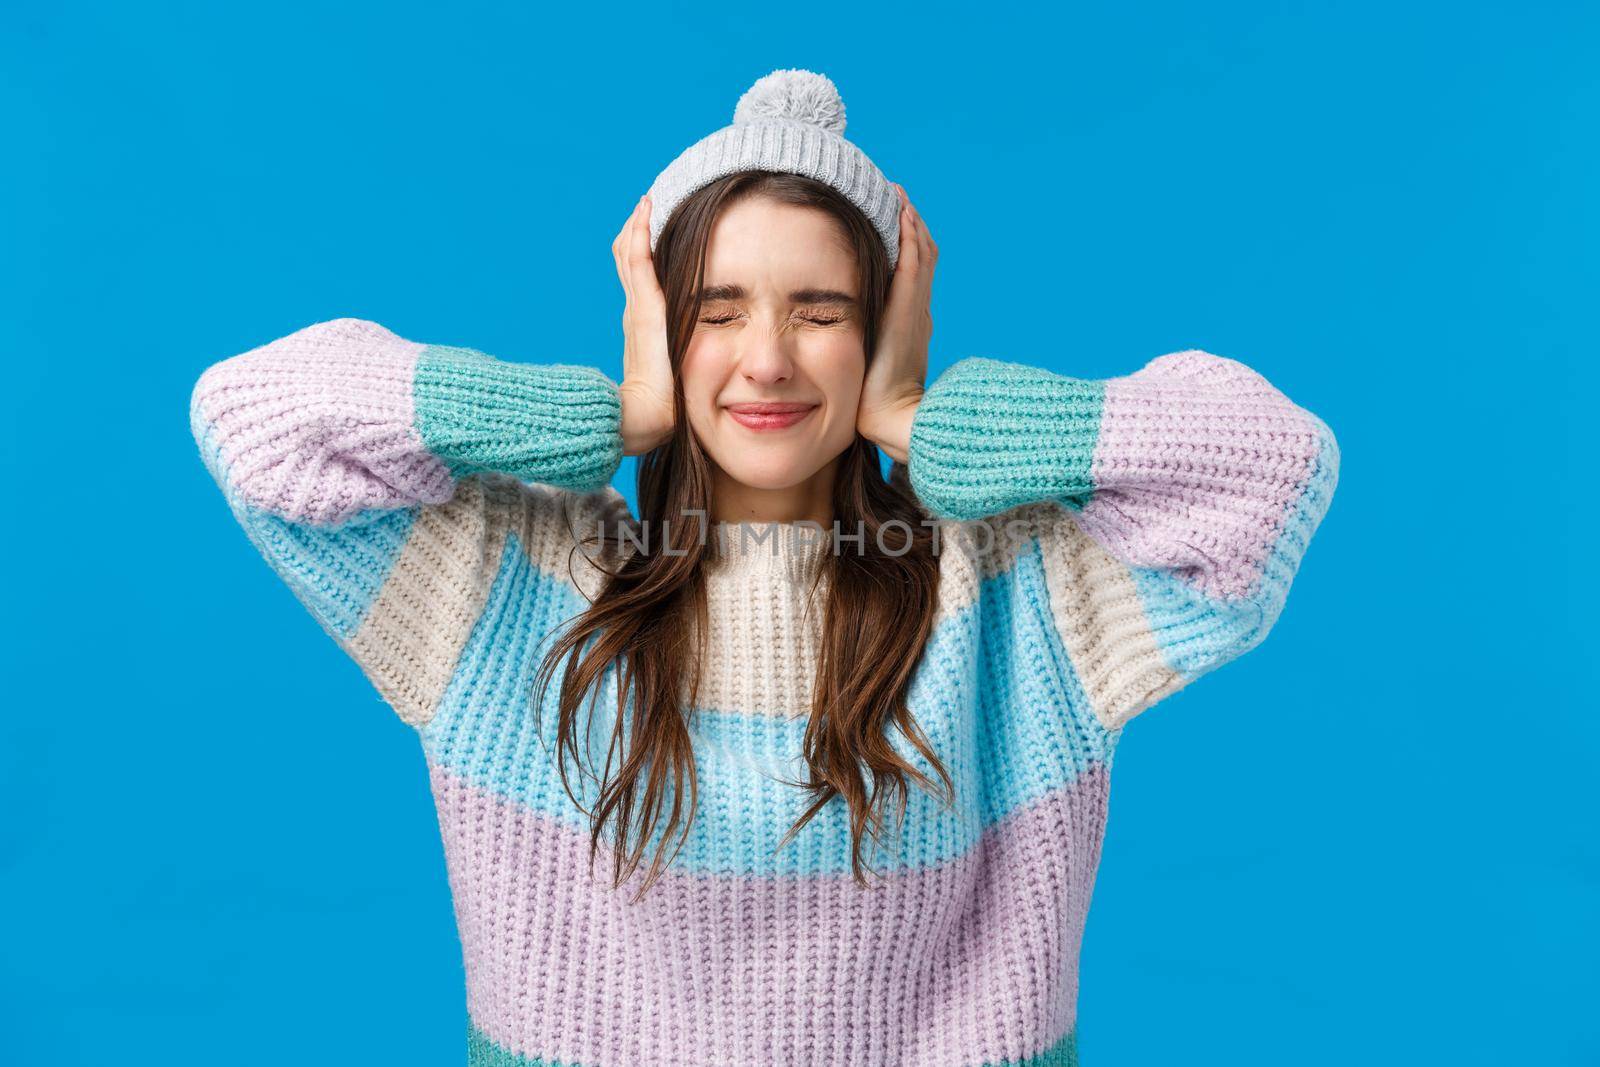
[(798, 296)]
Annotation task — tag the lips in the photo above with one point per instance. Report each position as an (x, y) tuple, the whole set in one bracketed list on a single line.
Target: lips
[(769, 415)]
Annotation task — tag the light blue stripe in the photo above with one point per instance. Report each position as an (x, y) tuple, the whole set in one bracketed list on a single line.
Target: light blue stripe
[(1198, 633), (999, 717), (335, 571)]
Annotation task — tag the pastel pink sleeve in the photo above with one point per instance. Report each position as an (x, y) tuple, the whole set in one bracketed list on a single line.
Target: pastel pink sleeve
[(1178, 503), (345, 416), (1199, 466), (380, 478)]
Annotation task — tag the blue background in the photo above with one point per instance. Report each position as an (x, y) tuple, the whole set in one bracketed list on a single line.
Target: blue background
[(1371, 840)]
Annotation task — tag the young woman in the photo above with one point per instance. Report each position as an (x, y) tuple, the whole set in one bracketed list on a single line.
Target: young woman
[(841, 741)]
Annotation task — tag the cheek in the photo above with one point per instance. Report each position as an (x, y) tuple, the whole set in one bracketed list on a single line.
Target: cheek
[(702, 372), (837, 366)]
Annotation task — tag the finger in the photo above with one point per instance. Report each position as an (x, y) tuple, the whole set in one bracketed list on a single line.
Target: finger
[(911, 300), (643, 262), (620, 242), (904, 284), (919, 237), (909, 259), (638, 236), (930, 250), (908, 215), (927, 251), (637, 233), (639, 246), (919, 226)]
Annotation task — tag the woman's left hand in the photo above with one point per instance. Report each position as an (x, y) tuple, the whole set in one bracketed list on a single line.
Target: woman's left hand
[(894, 382)]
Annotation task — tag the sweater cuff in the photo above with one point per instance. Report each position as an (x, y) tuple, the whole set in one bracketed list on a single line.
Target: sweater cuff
[(550, 424), (989, 435)]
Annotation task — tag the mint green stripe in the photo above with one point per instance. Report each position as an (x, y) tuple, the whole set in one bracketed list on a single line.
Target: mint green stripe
[(482, 1052), (988, 436), (554, 424)]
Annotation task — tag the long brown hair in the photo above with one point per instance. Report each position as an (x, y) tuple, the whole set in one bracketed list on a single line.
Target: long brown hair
[(650, 617)]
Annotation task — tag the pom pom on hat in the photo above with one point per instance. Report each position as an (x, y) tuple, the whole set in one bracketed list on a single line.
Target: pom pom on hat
[(791, 122), (793, 94)]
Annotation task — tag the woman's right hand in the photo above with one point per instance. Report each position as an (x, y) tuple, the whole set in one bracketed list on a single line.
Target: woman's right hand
[(648, 412)]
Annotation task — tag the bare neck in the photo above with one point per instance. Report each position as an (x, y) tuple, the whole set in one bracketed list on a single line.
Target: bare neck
[(808, 501)]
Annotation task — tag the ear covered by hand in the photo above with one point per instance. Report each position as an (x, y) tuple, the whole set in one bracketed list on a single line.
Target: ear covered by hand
[(648, 411), (898, 366)]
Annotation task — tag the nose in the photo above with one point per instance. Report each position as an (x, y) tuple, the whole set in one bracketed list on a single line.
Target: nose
[(765, 359)]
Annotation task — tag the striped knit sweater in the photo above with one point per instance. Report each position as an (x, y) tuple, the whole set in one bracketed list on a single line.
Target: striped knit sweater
[(1103, 543)]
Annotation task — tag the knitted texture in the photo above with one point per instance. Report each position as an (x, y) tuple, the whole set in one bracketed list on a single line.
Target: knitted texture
[(556, 423), (792, 122), (1102, 544)]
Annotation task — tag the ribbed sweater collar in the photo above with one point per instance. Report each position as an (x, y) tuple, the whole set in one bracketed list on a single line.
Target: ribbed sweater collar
[(765, 551)]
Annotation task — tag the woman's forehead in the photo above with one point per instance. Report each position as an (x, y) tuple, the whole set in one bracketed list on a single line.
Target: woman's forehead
[(762, 244)]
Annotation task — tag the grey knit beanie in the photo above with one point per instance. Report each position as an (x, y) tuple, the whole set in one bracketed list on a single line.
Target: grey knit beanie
[(790, 121)]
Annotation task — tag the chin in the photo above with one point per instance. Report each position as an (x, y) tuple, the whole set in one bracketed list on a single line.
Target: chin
[(771, 473)]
